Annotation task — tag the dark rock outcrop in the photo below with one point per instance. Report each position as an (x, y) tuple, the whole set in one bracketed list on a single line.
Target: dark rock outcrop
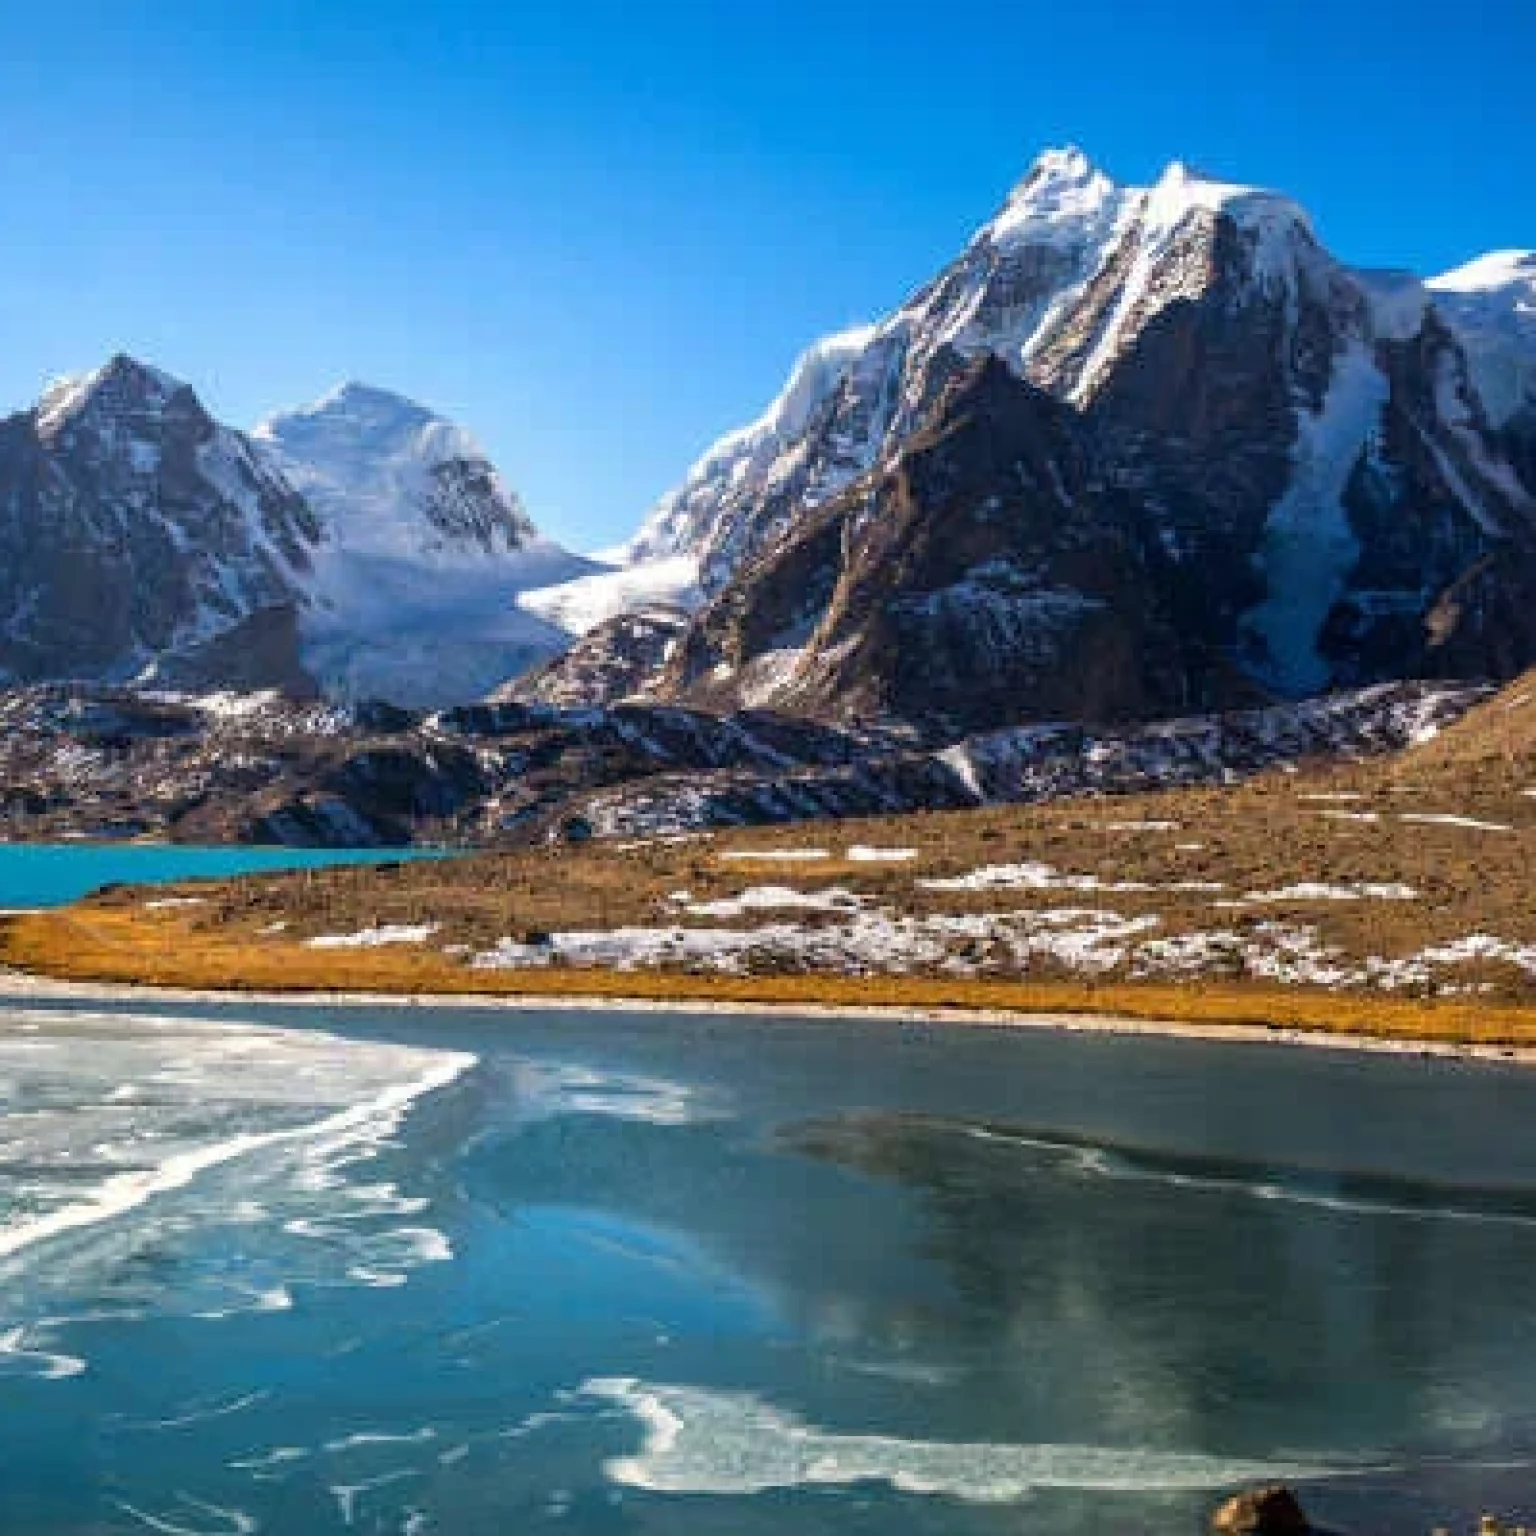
[(1272, 1511), (135, 530)]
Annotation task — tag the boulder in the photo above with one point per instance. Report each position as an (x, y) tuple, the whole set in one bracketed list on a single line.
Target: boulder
[(1273, 1511)]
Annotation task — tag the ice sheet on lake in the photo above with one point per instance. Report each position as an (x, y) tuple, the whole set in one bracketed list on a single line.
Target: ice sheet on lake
[(112, 1124), (702, 1441)]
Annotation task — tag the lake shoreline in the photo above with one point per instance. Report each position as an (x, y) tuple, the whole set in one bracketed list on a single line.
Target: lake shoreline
[(19, 987)]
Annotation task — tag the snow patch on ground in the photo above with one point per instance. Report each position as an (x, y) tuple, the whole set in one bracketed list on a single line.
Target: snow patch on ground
[(868, 943), (374, 938), (769, 898), (1445, 819), (1082, 941), (1308, 890), (859, 854), (773, 855), (1045, 877)]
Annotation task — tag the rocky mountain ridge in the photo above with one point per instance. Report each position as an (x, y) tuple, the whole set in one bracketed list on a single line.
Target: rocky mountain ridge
[(362, 547), (1300, 455), (135, 531), (120, 763)]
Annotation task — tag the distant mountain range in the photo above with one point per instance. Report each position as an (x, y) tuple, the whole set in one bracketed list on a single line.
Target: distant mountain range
[(359, 547), (1136, 451)]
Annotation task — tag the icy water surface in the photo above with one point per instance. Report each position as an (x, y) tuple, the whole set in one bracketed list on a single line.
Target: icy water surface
[(426, 1270)]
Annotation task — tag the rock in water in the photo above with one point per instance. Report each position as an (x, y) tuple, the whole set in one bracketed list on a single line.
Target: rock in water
[(1273, 1511)]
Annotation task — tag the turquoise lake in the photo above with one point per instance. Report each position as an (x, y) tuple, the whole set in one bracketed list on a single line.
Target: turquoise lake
[(318, 1271), (52, 874)]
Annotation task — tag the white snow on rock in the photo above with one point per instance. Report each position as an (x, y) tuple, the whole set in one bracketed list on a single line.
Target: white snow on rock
[(859, 854), (64, 398), (684, 517), (369, 462), (1490, 303), (425, 551)]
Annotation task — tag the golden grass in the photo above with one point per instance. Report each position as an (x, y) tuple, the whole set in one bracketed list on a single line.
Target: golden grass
[(165, 948), (1334, 823)]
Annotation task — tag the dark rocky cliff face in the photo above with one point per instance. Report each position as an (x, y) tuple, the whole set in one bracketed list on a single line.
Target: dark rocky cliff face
[(992, 574), (618, 660), (133, 529)]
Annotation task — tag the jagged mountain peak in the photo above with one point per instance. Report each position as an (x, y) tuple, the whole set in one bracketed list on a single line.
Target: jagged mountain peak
[(1062, 192), (425, 550), (137, 533), (122, 384), (1317, 460), (367, 412), (367, 425), (1064, 172), (1062, 283)]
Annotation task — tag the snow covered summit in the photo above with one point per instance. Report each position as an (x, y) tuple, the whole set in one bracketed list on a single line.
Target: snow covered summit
[(1313, 476), (1491, 302), (423, 554), (391, 477)]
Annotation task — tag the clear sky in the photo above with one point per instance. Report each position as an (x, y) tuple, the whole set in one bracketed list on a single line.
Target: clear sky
[(598, 232)]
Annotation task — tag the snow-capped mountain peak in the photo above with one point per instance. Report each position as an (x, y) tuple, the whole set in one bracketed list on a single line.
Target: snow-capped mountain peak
[(1062, 191), (1181, 191), (1491, 305), (1497, 269), (1061, 284), (138, 532), (1321, 454), (120, 386), (389, 476), (425, 550)]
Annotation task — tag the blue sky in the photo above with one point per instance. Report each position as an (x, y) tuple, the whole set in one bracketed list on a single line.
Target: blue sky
[(598, 233)]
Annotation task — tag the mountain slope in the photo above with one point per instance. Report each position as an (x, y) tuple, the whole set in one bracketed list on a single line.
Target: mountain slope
[(423, 555), (135, 532), (1306, 446)]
